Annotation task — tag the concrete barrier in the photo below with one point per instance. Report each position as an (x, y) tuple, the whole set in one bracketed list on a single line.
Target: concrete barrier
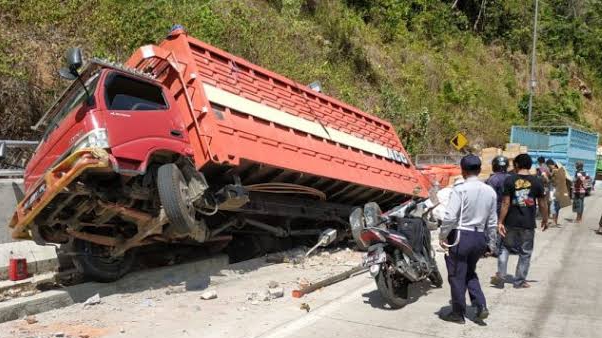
[(9, 191)]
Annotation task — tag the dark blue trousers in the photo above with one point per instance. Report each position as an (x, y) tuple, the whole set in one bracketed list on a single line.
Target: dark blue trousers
[(461, 269)]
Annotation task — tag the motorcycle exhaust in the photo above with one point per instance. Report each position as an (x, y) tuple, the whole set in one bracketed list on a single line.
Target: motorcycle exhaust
[(407, 270)]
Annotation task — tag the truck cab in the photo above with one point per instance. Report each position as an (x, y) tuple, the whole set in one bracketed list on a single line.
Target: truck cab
[(111, 108)]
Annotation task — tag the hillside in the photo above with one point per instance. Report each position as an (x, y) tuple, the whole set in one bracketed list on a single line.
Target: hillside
[(431, 67)]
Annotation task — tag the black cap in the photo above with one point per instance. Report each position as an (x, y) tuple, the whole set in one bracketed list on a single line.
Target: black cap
[(470, 163)]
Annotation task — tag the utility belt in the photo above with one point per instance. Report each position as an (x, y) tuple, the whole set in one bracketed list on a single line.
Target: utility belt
[(470, 228)]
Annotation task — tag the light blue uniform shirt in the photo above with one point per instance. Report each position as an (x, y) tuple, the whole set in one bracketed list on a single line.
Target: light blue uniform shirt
[(472, 206)]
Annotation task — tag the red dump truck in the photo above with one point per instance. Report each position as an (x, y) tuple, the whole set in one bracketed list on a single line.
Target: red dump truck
[(186, 142)]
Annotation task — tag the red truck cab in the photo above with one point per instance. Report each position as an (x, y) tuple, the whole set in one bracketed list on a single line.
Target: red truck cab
[(133, 116), (190, 143)]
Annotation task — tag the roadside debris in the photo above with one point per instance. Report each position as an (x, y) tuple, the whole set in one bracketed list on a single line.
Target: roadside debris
[(304, 306), (272, 284), (59, 334), (276, 292), (31, 320), (294, 256), (260, 296), (207, 295), (148, 302), (94, 300), (328, 281), (175, 289), (303, 283)]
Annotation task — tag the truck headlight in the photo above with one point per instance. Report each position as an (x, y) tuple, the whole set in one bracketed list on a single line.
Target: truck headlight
[(96, 138)]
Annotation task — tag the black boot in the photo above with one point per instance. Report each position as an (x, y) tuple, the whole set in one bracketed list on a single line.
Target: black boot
[(452, 317), (482, 312)]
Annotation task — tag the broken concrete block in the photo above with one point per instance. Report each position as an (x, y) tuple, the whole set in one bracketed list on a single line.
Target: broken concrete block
[(94, 300), (276, 292), (207, 295), (263, 296), (31, 320)]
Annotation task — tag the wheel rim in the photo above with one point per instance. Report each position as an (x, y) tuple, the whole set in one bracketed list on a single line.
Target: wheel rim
[(184, 193)]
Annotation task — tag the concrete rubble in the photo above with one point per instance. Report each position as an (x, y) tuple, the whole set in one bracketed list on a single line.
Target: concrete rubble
[(209, 295), (270, 285), (94, 300)]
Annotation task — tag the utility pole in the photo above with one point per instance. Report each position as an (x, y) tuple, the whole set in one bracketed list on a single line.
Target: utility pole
[(532, 82)]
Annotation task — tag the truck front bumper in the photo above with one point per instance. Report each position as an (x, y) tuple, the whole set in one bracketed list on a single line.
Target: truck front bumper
[(53, 182)]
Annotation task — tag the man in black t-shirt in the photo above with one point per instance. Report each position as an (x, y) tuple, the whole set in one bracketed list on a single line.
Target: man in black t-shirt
[(522, 193)]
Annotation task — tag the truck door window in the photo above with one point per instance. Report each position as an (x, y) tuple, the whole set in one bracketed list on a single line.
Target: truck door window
[(125, 93)]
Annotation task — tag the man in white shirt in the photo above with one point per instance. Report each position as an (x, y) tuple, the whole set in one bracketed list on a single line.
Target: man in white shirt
[(470, 212)]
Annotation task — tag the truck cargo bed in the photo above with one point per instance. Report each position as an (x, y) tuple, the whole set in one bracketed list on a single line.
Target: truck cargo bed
[(264, 127)]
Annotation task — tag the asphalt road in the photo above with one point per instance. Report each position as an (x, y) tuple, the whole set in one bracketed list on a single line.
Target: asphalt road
[(564, 300)]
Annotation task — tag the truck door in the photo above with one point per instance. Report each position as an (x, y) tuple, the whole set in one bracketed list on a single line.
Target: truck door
[(139, 116)]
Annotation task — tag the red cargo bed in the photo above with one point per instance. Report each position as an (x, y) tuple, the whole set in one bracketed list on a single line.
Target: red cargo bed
[(267, 128)]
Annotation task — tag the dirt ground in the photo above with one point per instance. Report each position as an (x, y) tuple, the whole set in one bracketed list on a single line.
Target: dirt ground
[(241, 300)]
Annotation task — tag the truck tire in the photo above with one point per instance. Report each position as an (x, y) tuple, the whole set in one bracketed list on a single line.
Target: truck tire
[(93, 262), (173, 193)]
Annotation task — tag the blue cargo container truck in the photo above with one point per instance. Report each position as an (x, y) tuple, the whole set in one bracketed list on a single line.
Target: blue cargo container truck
[(566, 145)]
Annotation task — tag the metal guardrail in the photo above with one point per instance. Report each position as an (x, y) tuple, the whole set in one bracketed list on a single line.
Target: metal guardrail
[(14, 156)]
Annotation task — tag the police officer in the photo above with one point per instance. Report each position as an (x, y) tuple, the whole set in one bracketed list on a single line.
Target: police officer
[(470, 213)]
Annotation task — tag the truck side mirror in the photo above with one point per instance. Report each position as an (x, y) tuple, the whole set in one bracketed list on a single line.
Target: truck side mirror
[(2, 151), (73, 58)]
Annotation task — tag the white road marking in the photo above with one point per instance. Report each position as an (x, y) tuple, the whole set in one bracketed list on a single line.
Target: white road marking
[(296, 325)]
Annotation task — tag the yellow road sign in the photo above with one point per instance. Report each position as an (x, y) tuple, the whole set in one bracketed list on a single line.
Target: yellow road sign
[(459, 141)]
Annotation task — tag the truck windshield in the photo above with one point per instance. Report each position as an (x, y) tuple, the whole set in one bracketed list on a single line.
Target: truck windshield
[(125, 93), (76, 99)]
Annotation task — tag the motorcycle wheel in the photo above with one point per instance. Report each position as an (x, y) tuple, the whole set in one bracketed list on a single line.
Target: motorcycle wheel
[(387, 290), (435, 278)]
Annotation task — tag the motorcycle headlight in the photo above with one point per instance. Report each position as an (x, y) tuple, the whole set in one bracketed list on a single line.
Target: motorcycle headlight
[(97, 138)]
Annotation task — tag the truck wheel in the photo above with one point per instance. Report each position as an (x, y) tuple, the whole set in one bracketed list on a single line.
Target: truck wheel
[(92, 260), (173, 193)]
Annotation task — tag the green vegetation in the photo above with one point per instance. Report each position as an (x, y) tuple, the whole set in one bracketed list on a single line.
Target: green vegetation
[(430, 68)]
